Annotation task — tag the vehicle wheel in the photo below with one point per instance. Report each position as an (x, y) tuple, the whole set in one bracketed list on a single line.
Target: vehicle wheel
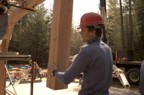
[(133, 76)]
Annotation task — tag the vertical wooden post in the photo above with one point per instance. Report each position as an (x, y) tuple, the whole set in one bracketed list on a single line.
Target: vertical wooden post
[(3, 76), (60, 39)]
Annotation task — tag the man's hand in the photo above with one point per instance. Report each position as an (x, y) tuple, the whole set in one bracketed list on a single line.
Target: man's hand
[(52, 68)]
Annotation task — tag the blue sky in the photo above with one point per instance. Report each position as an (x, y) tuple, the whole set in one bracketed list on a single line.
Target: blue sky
[(79, 7)]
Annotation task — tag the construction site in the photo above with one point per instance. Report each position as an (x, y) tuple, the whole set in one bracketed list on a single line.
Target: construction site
[(28, 78)]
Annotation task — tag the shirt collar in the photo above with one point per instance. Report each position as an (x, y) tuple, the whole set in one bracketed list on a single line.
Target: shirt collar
[(95, 39)]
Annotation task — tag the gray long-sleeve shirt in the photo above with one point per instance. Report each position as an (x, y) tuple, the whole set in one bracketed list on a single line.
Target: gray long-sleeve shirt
[(95, 62), (141, 86)]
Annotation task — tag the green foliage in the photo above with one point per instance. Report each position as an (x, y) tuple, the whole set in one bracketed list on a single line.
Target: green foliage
[(133, 30), (32, 35), (76, 42), (113, 25), (140, 27)]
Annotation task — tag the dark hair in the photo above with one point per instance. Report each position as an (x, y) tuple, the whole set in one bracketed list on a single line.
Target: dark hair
[(97, 28)]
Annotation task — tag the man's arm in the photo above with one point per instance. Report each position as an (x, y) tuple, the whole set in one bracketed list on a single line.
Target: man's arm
[(78, 66)]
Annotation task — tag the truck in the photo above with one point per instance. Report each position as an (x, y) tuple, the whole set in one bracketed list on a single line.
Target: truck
[(124, 59), (132, 70), (130, 66)]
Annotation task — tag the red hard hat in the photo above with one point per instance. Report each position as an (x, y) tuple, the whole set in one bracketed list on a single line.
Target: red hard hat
[(91, 18)]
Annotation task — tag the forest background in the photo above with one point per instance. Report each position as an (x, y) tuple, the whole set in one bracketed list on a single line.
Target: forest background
[(31, 34)]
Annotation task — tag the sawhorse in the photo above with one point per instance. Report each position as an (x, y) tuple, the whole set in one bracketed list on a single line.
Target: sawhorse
[(4, 58)]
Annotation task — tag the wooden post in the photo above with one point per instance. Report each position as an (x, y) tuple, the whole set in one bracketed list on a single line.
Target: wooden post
[(60, 39), (3, 76)]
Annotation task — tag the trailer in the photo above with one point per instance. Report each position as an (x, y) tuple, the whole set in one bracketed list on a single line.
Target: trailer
[(131, 70)]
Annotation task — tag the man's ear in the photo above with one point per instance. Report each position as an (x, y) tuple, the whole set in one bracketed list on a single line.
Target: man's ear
[(93, 32)]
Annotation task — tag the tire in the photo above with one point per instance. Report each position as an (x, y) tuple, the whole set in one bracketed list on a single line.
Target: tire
[(133, 76)]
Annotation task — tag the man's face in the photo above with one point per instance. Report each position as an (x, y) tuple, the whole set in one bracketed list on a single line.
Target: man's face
[(86, 34)]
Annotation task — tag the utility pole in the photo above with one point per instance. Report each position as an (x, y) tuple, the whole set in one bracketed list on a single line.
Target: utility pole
[(131, 27), (103, 13), (122, 30)]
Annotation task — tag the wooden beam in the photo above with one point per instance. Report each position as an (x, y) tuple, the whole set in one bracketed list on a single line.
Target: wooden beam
[(60, 39), (14, 16), (4, 57), (3, 77)]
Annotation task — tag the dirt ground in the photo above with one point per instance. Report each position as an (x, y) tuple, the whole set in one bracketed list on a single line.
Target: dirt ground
[(73, 88)]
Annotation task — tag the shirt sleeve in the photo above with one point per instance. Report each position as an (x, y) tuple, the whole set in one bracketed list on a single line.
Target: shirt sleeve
[(77, 67)]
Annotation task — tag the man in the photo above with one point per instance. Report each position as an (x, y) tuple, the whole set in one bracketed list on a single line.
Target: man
[(36, 71), (94, 60), (141, 86)]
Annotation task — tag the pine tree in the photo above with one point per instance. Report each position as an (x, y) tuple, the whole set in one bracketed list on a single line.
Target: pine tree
[(32, 35), (140, 27)]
